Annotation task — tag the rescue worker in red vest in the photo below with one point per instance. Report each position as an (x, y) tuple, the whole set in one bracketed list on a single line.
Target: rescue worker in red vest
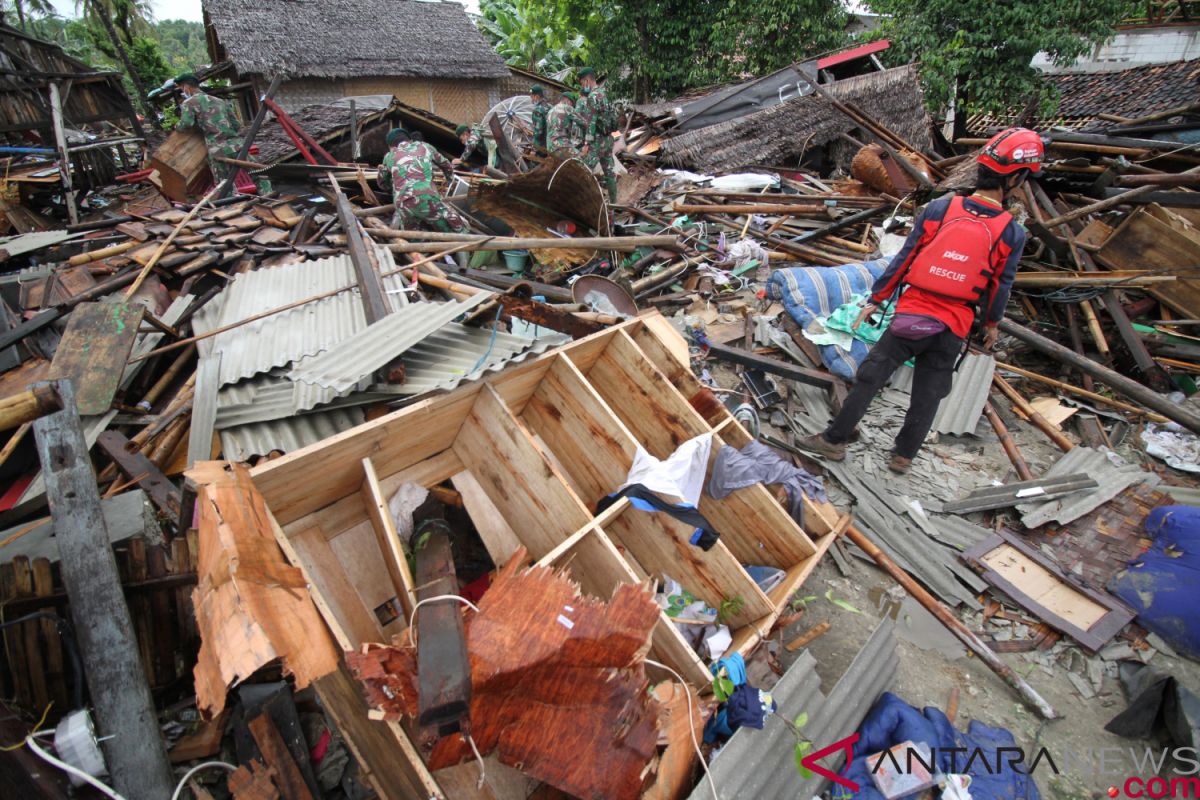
[(961, 257)]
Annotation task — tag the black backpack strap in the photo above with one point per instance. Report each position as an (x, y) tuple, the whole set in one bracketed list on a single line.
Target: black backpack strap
[(705, 535)]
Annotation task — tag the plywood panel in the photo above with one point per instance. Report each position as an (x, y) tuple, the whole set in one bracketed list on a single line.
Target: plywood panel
[(1044, 587), (358, 554), (538, 503)]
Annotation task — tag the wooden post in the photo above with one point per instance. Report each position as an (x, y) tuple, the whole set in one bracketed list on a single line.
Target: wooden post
[(369, 282), (355, 144), (125, 719), (64, 154)]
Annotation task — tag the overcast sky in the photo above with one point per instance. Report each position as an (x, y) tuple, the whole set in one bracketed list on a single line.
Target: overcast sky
[(185, 9)]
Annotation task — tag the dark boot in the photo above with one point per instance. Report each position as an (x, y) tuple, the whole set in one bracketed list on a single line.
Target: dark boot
[(899, 464), (817, 443)]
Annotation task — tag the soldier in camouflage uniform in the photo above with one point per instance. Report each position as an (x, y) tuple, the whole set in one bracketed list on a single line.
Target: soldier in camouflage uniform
[(562, 128), (216, 119), (599, 121), (418, 204), (472, 136), (540, 109), (384, 176)]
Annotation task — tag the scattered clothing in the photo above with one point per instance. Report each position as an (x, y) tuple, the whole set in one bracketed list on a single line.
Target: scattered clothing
[(892, 721), (680, 475), (642, 498), (1160, 584), (746, 706), (757, 463)]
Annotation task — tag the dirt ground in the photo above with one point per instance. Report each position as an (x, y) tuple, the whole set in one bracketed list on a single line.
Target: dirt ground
[(932, 662)]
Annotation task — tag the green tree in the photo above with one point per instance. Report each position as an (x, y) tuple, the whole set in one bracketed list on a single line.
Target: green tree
[(183, 43), (759, 38), (123, 22), (980, 51), (29, 10), (532, 35)]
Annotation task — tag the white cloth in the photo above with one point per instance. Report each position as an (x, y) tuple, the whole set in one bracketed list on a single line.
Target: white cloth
[(680, 477), (404, 502)]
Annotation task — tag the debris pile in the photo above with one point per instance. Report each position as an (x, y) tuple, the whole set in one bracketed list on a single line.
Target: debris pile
[(407, 509)]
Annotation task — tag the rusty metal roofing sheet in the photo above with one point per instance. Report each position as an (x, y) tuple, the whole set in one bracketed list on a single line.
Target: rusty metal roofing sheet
[(1113, 475), (760, 764), (336, 371), (959, 412), (282, 338)]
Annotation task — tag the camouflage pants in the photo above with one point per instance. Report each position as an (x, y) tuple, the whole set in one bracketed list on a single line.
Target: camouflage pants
[(424, 208), (601, 155), (230, 149)]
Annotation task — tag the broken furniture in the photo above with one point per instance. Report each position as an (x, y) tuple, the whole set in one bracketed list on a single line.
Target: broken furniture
[(533, 449)]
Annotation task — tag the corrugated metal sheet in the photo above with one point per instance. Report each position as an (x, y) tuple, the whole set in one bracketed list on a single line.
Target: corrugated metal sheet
[(282, 338), (446, 358), (959, 412), (957, 532), (204, 409), (36, 240), (336, 371), (287, 435), (761, 765), (1113, 480), (124, 516)]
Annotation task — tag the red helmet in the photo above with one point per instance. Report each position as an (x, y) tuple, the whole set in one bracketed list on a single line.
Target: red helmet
[(1011, 150)]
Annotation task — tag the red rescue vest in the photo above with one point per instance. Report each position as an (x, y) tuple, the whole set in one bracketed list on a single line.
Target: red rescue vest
[(959, 257)]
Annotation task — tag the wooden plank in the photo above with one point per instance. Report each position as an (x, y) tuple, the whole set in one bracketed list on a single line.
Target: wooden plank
[(358, 555), (351, 622), (752, 524), (277, 756), (1145, 241), (537, 500), (14, 644), (43, 586), (29, 631), (348, 512), (497, 535), (125, 718), (389, 541), (94, 350), (389, 761), (165, 496), (1040, 587)]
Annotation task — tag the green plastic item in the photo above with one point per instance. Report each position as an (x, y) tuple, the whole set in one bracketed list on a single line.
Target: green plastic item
[(515, 260), (483, 258)]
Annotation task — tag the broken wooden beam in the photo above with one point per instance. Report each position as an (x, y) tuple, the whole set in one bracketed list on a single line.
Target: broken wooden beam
[(135, 466), (772, 365), (443, 669), (1007, 442), (125, 718)]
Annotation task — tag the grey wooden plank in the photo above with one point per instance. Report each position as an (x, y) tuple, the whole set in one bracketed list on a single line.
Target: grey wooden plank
[(125, 719)]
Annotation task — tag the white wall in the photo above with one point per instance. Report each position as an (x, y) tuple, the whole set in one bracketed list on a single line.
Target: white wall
[(1133, 48)]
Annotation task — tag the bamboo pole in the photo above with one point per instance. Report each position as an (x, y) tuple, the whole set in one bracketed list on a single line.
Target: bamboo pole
[(1007, 442), (1075, 390), (26, 406), (953, 624), (103, 252), (1040, 422)]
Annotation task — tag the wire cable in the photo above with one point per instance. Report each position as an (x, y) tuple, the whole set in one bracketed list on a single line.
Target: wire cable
[(183, 781), (691, 728), (413, 616), (70, 770)]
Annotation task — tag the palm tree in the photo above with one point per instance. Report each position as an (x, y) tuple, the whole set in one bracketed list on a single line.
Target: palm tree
[(39, 7), (133, 16)]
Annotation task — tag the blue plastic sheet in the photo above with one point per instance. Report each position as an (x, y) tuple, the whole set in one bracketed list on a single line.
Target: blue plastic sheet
[(892, 721), (1160, 585), (811, 292)]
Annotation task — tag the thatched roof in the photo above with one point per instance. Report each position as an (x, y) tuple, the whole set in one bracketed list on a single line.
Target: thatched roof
[(782, 133), (353, 38)]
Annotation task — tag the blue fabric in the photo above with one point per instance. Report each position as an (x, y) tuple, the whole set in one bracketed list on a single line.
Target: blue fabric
[(810, 292), (735, 668), (718, 727), (892, 721), (1160, 585), (748, 707)]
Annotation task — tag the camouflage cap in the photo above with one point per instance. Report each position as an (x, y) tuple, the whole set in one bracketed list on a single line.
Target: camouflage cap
[(574, 98), (396, 135), (538, 89), (188, 78), (461, 129), (586, 72)]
